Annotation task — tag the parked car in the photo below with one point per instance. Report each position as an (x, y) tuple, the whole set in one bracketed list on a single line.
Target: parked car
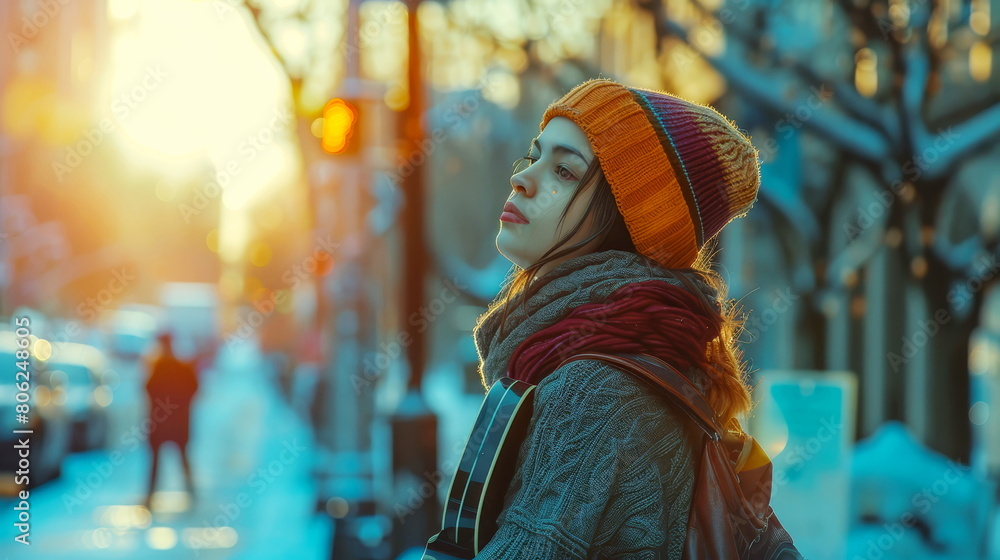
[(78, 370), (48, 419)]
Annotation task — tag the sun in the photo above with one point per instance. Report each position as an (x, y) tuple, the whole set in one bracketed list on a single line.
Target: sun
[(187, 77)]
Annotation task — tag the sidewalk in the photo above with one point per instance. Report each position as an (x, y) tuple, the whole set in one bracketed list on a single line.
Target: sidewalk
[(250, 456)]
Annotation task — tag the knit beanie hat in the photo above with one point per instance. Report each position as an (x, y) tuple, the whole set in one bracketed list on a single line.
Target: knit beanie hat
[(679, 171)]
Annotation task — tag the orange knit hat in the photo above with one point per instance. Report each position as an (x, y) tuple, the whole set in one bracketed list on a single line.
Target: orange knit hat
[(679, 171)]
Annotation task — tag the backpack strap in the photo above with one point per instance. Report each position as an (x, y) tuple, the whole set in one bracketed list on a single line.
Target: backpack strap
[(666, 380)]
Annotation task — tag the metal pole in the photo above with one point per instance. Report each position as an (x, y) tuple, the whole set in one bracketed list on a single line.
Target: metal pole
[(414, 426), (350, 496), (414, 254)]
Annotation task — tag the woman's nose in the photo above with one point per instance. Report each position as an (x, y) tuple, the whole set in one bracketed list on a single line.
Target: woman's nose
[(521, 182)]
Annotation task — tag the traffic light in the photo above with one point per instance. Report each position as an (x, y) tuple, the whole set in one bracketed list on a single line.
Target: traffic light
[(341, 124)]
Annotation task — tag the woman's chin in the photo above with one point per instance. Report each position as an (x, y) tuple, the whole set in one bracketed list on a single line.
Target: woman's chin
[(509, 257), (508, 251)]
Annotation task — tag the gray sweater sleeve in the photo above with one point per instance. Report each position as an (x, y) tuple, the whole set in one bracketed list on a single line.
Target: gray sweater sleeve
[(605, 470)]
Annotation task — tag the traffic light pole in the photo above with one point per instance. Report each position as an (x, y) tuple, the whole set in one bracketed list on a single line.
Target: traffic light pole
[(348, 493), (415, 252), (416, 513)]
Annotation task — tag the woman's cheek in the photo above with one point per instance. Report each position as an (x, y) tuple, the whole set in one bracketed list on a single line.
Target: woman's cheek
[(545, 206)]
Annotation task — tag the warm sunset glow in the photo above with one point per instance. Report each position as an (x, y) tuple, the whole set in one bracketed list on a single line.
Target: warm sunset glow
[(218, 95), (178, 98)]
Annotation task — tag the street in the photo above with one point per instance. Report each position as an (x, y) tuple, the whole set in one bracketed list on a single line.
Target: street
[(250, 456)]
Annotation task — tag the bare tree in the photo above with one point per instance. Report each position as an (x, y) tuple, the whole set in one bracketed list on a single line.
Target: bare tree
[(899, 115)]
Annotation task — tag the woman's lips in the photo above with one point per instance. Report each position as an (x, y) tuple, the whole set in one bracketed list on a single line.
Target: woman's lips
[(512, 214)]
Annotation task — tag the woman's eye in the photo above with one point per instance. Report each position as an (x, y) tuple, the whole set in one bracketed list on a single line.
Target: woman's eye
[(523, 162), (568, 175)]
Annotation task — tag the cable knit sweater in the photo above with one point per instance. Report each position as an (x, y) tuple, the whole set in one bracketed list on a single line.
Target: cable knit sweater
[(607, 467)]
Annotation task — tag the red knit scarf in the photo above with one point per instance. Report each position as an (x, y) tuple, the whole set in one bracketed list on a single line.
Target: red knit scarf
[(652, 317)]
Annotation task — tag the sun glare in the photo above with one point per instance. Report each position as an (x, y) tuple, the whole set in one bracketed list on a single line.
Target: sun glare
[(192, 81), (188, 77)]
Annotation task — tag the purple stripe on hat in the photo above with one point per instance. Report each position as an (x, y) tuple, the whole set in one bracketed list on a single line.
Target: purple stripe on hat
[(696, 146), (653, 115)]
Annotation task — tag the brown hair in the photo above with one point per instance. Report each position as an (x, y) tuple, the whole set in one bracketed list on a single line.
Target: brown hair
[(728, 393)]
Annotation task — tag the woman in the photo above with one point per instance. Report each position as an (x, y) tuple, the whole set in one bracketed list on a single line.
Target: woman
[(610, 213)]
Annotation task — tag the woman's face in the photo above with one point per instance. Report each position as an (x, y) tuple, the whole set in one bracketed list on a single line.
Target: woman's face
[(556, 162)]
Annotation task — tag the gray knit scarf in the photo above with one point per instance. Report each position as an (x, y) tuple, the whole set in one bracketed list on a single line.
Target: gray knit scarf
[(583, 279)]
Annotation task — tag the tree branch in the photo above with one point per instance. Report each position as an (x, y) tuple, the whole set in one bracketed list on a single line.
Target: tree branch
[(858, 139), (848, 98), (962, 140)]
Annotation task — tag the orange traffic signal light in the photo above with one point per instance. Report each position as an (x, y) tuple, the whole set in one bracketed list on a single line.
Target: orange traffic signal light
[(340, 124)]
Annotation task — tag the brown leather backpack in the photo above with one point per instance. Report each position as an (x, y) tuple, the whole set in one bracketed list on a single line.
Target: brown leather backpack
[(731, 516)]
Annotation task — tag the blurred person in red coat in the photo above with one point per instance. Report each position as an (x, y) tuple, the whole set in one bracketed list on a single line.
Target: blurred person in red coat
[(171, 386)]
